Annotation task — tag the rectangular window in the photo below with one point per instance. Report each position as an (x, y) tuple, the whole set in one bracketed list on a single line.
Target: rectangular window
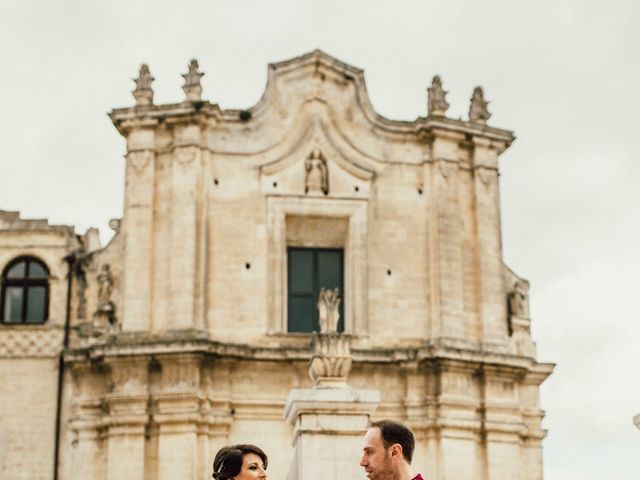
[(311, 269)]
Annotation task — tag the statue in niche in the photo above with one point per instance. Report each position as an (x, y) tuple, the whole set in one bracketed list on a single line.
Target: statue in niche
[(105, 285), (316, 174), (143, 92), (437, 104), (106, 308), (518, 300), (328, 304), (192, 87), (478, 111)]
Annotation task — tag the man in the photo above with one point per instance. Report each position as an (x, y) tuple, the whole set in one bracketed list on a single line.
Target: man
[(387, 452)]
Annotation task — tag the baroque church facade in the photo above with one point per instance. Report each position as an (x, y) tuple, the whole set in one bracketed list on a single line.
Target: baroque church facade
[(191, 328)]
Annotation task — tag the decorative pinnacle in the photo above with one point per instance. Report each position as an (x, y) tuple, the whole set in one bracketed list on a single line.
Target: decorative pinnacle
[(192, 87), (478, 112), (143, 92), (437, 104)]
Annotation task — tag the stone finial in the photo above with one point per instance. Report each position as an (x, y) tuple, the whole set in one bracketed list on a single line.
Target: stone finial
[(328, 304), (437, 104), (143, 92), (192, 87), (316, 174), (478, 112)]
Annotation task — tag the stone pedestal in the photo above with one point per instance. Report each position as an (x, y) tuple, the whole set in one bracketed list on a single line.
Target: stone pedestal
[(328, 424)]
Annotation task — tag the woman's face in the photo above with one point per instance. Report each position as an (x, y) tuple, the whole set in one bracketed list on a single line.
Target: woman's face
[(252, 468)]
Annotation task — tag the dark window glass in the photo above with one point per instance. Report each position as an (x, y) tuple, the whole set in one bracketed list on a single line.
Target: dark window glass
[(13, 304), (309, 270), (19, 270), (37, 270), (25, 292), (36, 304)]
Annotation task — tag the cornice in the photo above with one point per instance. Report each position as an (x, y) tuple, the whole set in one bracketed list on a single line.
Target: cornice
[(298, 350)]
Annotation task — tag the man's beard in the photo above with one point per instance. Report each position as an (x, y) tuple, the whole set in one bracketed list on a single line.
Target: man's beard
[(386, 471)]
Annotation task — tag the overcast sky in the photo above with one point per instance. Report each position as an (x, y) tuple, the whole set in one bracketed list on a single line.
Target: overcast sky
[(564, 74)]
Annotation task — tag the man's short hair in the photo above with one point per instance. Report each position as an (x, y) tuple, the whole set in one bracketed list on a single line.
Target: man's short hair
[(395, 432)]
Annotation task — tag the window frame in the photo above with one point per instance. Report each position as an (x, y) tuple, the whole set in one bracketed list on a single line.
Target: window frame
[(315, 285), (354, 260), (24, 283)]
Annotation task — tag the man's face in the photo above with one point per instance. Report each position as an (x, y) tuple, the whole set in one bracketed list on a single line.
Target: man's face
[(376, 459)]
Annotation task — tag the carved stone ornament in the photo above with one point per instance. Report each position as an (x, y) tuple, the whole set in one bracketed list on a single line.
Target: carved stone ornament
[(115, 224), (446, 169), (437, 104), (485, 175), (478, 112), (316, 174), (143, 92), (331, 360), (192, 87), (186, 155), (328, 309), (139, 160)]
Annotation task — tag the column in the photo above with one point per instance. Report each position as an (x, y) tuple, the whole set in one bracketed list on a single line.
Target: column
[(128, 418), (138, 230), (185, 225), (445, 239), (493, 303), (178, 417)]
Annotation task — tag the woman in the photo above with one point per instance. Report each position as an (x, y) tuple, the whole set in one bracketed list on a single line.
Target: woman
[(240, 462)]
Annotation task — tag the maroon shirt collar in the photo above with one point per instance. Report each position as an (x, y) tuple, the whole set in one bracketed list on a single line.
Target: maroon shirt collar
[(417, 477)]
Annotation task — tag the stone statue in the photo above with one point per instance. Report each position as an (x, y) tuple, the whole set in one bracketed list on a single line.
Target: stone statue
[(192, 87), (143, 92), (478, 112), (331, 360), (328, 304), (105, 286), (437, 104), (317, 174), (518, 300)]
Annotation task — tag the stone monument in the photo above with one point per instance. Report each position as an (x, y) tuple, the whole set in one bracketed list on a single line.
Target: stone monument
[(330, 418)]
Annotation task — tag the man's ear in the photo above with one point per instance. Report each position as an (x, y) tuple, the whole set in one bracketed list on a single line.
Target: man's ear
[(396, 450)]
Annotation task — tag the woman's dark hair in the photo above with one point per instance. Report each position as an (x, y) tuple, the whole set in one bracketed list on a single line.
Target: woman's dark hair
[(228, 461)]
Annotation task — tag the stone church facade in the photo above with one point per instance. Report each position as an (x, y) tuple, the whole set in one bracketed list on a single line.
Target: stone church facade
[(189, 330)]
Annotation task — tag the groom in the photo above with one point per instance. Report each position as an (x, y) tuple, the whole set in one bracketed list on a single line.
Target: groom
[(387, 451)]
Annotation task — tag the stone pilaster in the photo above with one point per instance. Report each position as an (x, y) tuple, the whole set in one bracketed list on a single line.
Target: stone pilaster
[(328, 425), (185, 227), (503, 425), (446, 239), (178, 417), (459, 425), (138, 229), (128, 418), (493, 312)]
